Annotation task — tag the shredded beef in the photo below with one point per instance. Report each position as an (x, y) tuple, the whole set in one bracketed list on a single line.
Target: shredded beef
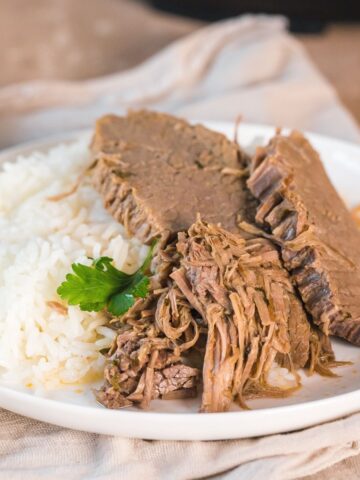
[(251, 310), (150, 356)]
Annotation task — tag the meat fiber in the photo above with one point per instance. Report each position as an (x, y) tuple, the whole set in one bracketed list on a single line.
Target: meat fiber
[(145, 366), (250, 308), (150, 356), (320, 244)]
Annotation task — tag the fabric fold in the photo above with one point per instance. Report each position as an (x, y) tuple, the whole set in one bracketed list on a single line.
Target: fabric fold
[(247, 66), (33, 450)]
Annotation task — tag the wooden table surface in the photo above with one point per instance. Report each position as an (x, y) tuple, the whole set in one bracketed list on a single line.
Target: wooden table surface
[(77, 39)]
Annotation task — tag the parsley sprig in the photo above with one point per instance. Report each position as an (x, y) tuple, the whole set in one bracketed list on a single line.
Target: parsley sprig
[(101, 286)]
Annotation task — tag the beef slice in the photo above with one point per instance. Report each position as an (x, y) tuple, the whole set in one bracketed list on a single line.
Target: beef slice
[(320, 243), (156, 172)]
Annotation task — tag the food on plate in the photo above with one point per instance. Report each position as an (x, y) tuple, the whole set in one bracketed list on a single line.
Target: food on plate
[(217, 274), (101, 286), (319, 240), (157, 350), (229, 285), (45, 343), (248, 304), (155, 172)]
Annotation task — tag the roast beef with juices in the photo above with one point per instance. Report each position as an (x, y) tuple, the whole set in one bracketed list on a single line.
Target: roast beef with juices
[(320, 243), (155, 172)]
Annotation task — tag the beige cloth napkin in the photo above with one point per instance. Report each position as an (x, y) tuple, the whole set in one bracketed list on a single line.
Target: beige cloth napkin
[(32, 450), (247, 66)]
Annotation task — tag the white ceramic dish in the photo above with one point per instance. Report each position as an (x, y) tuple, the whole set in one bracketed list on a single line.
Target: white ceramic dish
[(320, 399)]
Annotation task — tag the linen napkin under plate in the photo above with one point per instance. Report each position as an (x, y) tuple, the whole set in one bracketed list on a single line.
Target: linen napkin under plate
[(247, 66)]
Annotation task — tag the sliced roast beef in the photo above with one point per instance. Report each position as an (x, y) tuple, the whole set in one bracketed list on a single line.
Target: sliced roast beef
[(155, 172), (320, 243), (219, 297)]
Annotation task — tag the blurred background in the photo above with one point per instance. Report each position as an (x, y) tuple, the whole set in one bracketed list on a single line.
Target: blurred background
[(80, 39)]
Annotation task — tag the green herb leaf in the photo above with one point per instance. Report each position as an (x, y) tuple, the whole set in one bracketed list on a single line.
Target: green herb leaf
[(138, 288), (92, 307), (103, 286), (139, 285), (120, 303)]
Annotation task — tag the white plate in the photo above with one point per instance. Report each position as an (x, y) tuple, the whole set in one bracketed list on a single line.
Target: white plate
[(320, 399)]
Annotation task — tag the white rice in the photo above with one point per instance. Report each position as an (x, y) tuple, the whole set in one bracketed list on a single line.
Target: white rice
[(39, 240)]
